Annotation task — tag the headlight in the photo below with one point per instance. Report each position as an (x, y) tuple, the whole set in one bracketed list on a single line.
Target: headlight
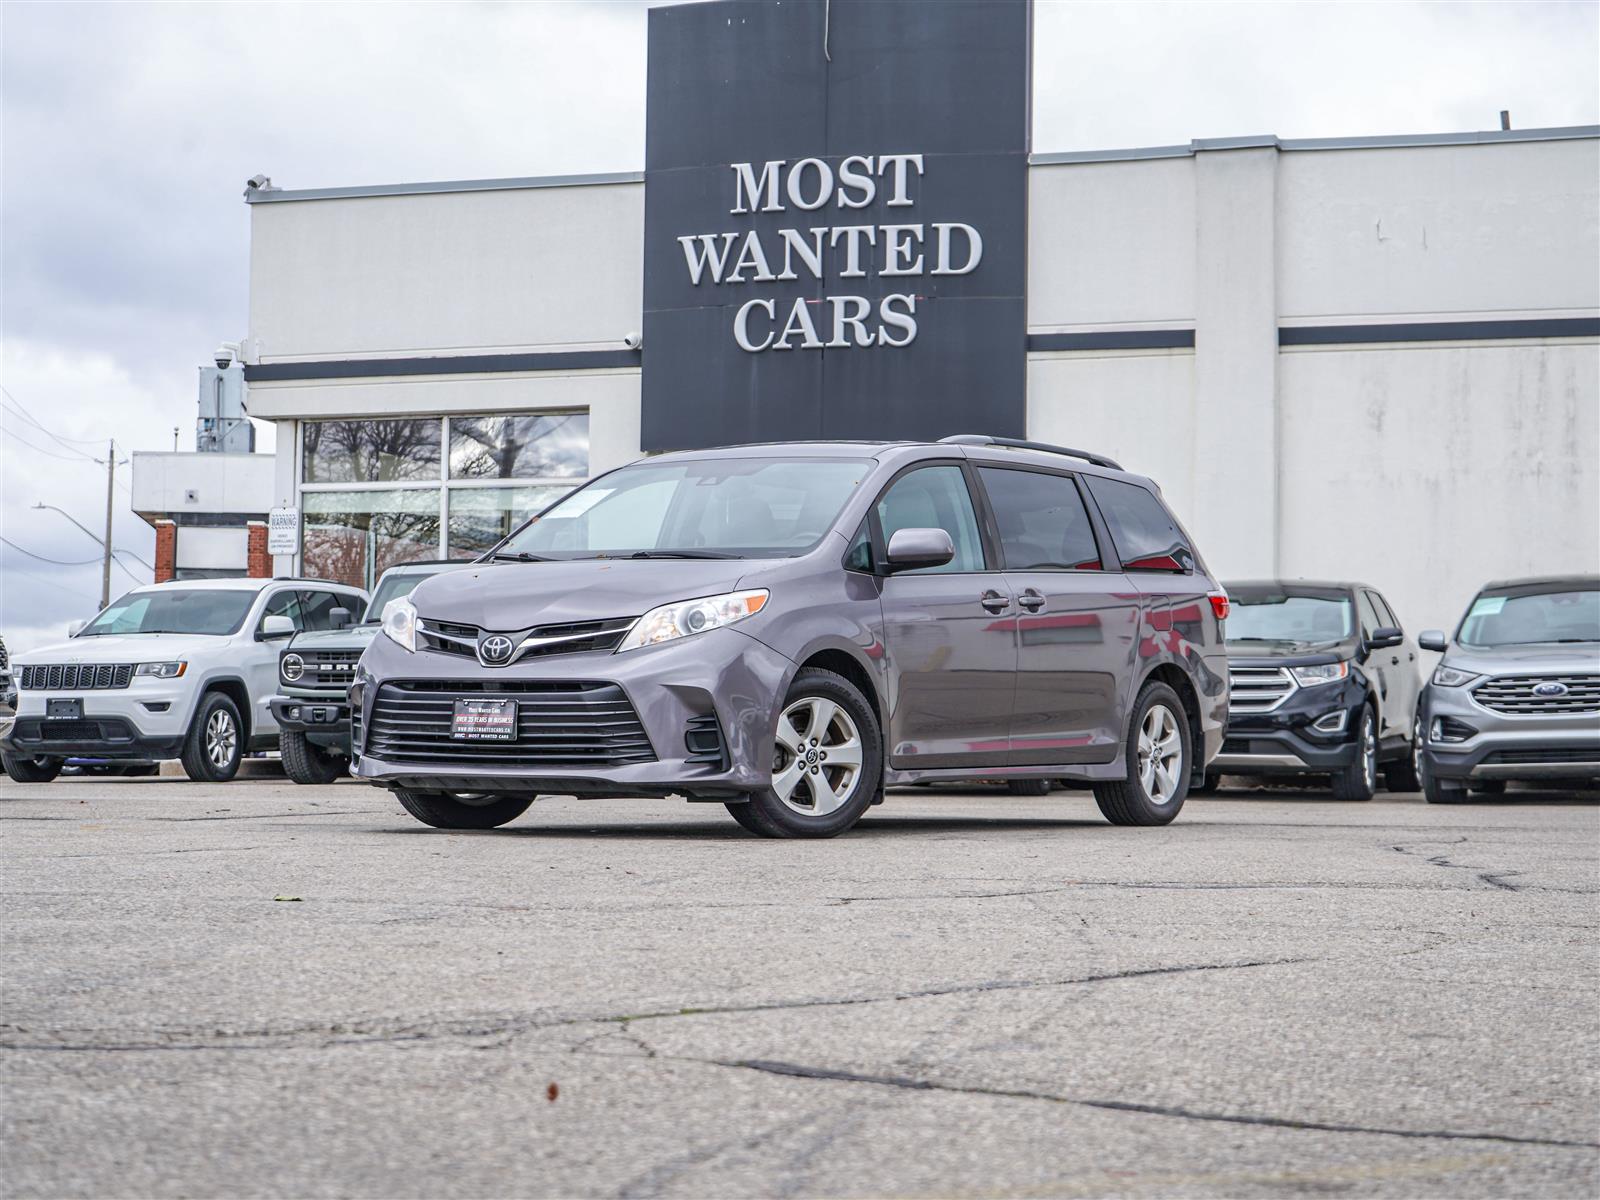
[(672, 621), (291, 667), (1321, 673), (400, 623), (169, 670), (1450, 677)]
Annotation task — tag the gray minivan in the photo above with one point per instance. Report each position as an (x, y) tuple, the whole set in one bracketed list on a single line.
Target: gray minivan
[(787, 629)]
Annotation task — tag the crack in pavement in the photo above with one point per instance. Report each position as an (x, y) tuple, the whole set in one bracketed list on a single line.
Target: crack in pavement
[(911, 1083), (1495, 879), (357, 1033)]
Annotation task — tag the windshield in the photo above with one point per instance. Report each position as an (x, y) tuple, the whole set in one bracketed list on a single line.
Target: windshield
[(1519, 617), (173, 610), (1320, 615), (700, 508), (391, 587)]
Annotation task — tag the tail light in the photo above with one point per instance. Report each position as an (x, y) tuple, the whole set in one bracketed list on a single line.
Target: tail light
[(1219, 605)]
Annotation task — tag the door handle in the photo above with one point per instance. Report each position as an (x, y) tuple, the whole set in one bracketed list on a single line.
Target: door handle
[(1031, 600), (1395, 660), (994, 601)]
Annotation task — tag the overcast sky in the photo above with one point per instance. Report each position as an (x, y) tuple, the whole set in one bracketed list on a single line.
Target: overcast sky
[(129, 131)]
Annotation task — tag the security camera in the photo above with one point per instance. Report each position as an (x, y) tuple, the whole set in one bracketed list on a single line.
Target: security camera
[(258, 182), (633, 340), (223, 356)]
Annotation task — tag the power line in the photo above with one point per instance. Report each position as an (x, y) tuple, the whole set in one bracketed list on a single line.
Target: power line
[(42, 450), (55, 562), (18, 405)]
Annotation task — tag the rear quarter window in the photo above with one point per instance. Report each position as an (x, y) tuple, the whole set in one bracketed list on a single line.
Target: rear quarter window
[(1143, 531)]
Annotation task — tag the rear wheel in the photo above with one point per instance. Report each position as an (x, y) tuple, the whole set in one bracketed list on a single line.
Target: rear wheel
[(1028, 787), (39, 769), (1359, 781), (827, 762), (215, 745), (1158, 756), (306, 762), (463, 810)]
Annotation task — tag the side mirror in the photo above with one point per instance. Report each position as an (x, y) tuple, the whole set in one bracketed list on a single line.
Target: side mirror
[(276, 626), (1385, 636), (1433, 639), (910, 549), (339, 617), (75, 628)]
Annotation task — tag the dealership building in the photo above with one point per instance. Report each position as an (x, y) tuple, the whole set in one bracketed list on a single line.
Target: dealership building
[(1372, 357)]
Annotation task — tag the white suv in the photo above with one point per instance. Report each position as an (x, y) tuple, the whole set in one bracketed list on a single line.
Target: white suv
[(174, 670)]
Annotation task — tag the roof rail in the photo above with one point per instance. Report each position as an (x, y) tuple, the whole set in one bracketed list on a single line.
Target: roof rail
[(983, 439)]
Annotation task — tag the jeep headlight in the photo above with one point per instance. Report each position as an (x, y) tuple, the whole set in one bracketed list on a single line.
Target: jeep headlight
[(1321, 673), (291, 667), (400, 623), (167, 670), (687, 617), (1450, 677)]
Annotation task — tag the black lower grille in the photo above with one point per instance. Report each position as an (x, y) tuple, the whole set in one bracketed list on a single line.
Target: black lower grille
[(1567, 755), (559, 724), (703, 740)]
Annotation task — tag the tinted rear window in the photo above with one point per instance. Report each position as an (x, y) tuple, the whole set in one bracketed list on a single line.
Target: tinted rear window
[(1043, 523), (1146, 536)]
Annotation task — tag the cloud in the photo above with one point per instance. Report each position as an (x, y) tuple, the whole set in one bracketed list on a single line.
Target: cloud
[(130, 129)]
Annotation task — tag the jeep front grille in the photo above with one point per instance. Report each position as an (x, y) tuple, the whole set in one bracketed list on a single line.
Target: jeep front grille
[(74, 677), (1257, 689), (1516, 694)]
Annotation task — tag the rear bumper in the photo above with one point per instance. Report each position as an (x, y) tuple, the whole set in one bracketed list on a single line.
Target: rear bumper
[(92, 737), (723, 674)]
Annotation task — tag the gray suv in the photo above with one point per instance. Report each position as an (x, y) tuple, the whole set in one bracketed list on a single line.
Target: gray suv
[(1517, 694), (786, 629)]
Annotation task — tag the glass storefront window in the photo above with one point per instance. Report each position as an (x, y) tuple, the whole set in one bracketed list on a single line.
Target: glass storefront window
[(354, 537), (480, 517), (520, 446), (371, 451)]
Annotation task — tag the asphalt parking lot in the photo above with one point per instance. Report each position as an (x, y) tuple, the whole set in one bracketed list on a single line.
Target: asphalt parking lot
[(262, 989)]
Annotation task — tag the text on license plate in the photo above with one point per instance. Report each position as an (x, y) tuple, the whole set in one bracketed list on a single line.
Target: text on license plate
[(484, 721)]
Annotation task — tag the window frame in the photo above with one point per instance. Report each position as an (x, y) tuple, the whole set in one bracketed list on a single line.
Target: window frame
[(1100, 536)]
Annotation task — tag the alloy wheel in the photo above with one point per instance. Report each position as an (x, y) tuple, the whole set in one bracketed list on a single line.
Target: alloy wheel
[(222, 739), (816, 761), (1160, 755), (1369, 751)]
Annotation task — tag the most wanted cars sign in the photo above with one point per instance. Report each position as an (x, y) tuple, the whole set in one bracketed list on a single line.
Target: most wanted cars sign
[(835, 220)]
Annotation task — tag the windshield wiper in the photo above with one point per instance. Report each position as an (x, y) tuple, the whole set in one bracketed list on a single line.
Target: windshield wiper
[(680, 554), (519, 556)]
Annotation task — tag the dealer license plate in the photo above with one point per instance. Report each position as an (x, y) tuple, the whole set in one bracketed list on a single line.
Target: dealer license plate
[(484, 721)]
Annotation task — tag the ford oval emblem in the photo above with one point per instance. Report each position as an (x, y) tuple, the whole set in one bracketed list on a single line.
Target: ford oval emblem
[(1550, 688), (496, 649)]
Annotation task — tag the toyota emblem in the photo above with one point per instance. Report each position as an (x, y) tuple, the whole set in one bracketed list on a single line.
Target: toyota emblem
[(496, 649), (1550, 688)]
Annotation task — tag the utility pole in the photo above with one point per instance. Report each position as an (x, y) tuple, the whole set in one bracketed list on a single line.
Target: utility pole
[(105, 566)]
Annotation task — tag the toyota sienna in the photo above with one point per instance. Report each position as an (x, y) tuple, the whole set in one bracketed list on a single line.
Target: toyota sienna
[(788, 629)]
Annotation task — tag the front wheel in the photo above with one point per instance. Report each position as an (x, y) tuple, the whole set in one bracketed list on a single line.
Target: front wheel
[(306, 762), (463, 810), (1359, 781), (39, 769), (1157, 756), (215, 745), (827, 761)]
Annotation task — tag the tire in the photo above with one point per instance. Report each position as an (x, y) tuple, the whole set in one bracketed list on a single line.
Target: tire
[(215, 745), (31, 770), (1151, 795), (811, 796), (306, 762), (1028, 787), (1359, 781), (463, 810)]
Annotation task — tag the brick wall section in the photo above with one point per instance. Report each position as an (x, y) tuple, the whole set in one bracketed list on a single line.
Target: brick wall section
[(258, 563), (166, 550)]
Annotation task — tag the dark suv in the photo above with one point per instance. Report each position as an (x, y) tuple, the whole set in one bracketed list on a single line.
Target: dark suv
[(786, 629), (1325, 681)]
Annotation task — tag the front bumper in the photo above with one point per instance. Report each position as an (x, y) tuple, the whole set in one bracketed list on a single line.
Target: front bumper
[(324, 721), (722, 674), (1503, 746), (1285, 741), (91, 737)]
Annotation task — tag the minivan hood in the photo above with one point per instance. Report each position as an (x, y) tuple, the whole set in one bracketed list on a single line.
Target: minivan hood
[(1559, 658), (512, 596), (122, 648)]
